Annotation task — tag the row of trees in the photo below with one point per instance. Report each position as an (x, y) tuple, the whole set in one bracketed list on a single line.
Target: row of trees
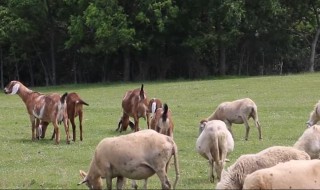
[(49, 42)]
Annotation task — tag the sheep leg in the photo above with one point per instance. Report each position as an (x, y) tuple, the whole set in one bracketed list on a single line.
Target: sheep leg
[(145, 184), (120, 182), (246, 124), (165, 184), (211, 167), (134, 184), (258, 126), (109, 183), (80, 124)]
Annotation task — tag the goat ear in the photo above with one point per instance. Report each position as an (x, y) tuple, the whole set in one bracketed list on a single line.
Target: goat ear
[(15, 88)]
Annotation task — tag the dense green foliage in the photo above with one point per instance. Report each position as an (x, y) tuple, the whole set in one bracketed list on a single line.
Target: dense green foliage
[(48, 42), (284, 104)]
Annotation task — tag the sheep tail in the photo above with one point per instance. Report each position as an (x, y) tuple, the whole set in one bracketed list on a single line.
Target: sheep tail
[(165, 112), (63, 97)]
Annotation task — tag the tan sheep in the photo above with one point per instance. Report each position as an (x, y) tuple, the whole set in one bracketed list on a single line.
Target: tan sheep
[(234, 176), (214, 143), (314, 115), (310, 142), (238, 112)]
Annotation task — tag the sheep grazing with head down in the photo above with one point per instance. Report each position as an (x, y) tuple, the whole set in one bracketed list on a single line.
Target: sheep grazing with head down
[(314, 115), (214, 143), (234, 176), (310, 142), (238, 112)]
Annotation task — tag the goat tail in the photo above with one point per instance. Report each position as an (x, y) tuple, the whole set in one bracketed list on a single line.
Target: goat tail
[(141, 92), (82, 102), (63, 97), (165, 112)]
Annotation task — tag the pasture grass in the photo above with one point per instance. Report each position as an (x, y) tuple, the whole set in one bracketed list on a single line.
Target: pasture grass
[(284, 104)]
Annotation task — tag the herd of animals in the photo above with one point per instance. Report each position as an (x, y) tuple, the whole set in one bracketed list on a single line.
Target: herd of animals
[(150, 151)]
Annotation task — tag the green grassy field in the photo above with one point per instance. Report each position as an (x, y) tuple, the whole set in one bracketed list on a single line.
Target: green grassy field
[(284, 104)]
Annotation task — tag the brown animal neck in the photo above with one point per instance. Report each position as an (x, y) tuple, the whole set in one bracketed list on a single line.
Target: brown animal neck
[(24, 93)]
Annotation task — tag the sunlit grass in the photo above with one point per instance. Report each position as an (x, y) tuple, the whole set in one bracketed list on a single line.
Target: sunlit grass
[(284, 104)]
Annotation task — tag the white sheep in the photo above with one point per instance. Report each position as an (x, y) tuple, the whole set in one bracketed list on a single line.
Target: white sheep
[(238, 112), (314, 115), (234, 176), (310, 142), (214, 143)]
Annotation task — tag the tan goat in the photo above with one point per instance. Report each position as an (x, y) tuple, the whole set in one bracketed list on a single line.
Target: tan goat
[(134, 104), (238, 112), (74, 109), (153, 105), (44, 107), (135, 156), (162, 121)]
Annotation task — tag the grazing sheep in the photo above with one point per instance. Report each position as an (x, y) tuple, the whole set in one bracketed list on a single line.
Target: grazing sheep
[(234, 176), (238, 112), (135, 156), (310, 142), (214, 143), (314, 115), (44, 107), (295, 174), (162, 121), (74, 109), (134, 104)]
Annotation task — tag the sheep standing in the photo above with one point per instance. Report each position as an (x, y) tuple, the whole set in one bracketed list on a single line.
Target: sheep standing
[(214, 143), (238, 112), (234, 176), (310, 142), (314, 115)]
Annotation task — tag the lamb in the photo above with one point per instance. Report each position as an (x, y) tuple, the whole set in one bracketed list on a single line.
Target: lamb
[(310, 142), (134, 104), (295, 174), (135, 156), (214, 143), (234, 176), (44, 107), (314, 115), (162, 121), (238, 112), (74, 109)]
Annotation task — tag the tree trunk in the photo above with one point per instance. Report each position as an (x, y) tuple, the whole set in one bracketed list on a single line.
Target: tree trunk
[(222, 59), (53, 60), (1, 60), (126, 66), (46, 76), (74, 69), (31, 73), (313, 50)]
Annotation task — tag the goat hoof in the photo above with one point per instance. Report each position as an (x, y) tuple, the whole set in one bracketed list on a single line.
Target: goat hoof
[(68, 142)]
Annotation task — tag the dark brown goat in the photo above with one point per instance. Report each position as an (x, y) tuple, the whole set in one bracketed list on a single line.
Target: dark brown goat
[(44, 107), (162, 121), (74, 109), (134, 104)]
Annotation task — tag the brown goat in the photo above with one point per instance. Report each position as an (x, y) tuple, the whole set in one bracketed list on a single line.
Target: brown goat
[(44, 107), (74, 109), (134, 104), (153, 105), (162, 121)]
